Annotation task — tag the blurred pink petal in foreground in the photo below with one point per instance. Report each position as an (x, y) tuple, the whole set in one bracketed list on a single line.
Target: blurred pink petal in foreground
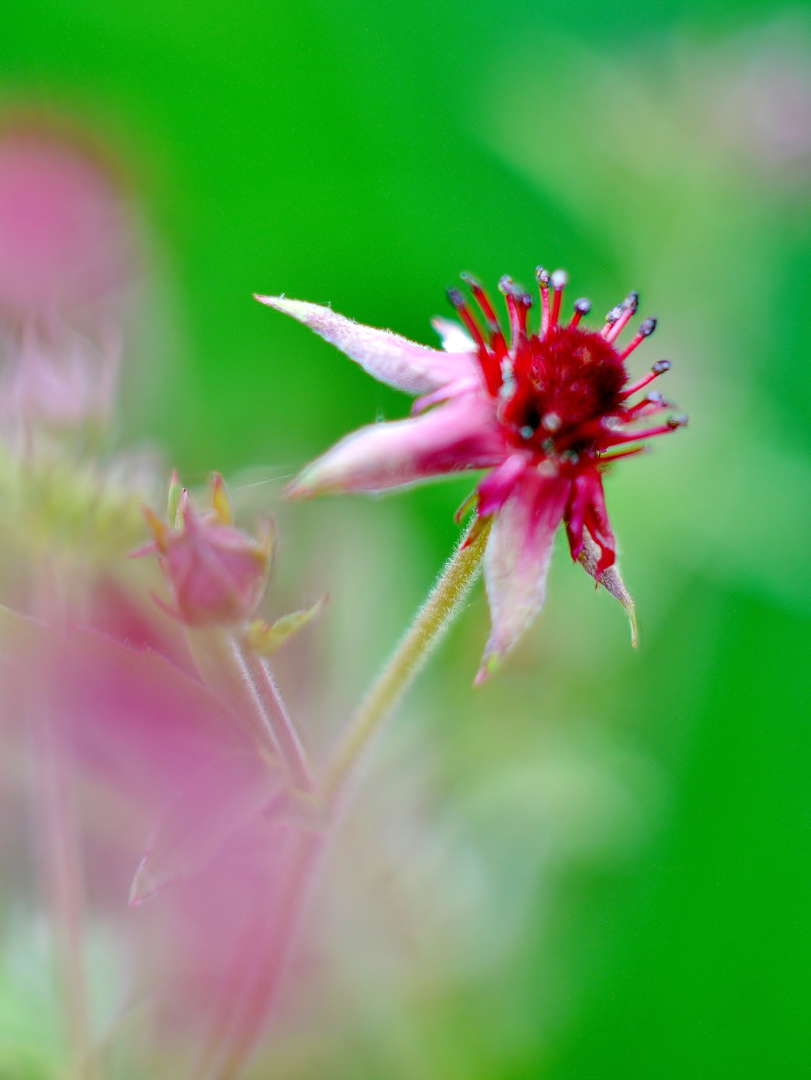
[(151, 746)]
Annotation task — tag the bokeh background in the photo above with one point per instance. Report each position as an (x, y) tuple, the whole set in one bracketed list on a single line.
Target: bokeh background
[(600, 864)]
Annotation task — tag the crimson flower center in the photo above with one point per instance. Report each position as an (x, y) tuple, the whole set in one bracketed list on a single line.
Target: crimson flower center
[(560, 383)]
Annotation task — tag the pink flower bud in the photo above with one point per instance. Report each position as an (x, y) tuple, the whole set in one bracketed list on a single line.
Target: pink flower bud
[(217, 573)]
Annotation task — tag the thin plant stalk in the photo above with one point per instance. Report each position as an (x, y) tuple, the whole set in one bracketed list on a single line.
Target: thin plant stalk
[(430, 624), (243, 681), (284, 731)]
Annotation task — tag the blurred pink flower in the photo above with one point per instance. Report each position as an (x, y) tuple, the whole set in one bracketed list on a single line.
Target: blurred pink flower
[(541, 410), (64, 239), (217, 573), (66, 262)]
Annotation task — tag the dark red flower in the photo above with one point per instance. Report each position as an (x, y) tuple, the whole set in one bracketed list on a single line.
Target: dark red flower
[(547, 411)]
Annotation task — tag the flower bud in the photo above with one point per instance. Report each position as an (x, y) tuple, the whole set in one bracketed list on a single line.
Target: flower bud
[(217, 573)]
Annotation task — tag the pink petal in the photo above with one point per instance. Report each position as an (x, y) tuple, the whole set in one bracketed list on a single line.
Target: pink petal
[(462, 434), (390, 358), (587, 513), (495, 488), (451, 390), (454, 338), (216, 801), (516, 562)]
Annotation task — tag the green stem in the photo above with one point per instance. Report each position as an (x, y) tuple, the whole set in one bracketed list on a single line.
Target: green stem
[(428, 627)]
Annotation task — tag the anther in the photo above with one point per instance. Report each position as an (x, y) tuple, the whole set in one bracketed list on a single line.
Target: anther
[(551, 422), (610, 321), (559, 281), (626, 311), (674, 422), (542, 276), (611, 423), (526, 432), (581, 307), (661, 366)]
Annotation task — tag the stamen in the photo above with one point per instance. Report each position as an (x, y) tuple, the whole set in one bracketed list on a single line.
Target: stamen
[(645, 330), (518, 305), (581, 307), (505, 287), (629, 308), (489, 363), (559, 281), (542, 277), (672, 424), (467, 317), (659, 368), (598, 428), (649, 405), (497, 341), (483, 300), (608, 458)]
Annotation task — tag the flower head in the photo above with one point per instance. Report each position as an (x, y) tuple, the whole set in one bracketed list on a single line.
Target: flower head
[(217, 573), (546, 412), (67, 266)]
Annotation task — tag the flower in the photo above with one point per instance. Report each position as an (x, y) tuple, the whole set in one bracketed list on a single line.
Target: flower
[(545, 412), (67, 267), (217, 573)]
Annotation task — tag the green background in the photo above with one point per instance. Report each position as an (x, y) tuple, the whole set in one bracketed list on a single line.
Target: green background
[(640, 823)]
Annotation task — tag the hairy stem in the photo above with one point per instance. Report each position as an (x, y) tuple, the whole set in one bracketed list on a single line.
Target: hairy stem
[(431, 622), (284, 730), (243, 681)]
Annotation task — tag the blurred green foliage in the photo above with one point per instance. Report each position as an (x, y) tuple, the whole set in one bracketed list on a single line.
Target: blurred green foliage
[(652, 811)]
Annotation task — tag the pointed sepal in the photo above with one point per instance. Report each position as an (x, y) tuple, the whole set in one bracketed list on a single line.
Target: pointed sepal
[(610, 579), (265, 638), (220, 500), (173, 505)]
